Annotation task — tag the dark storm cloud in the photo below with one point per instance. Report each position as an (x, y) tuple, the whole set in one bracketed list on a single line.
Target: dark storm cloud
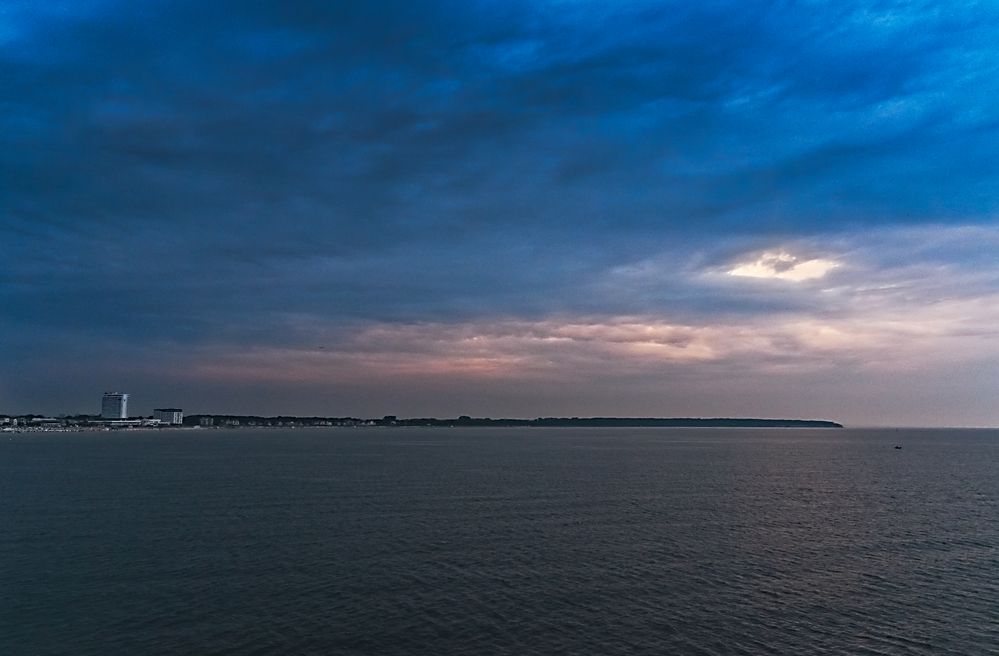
[(198, 175)]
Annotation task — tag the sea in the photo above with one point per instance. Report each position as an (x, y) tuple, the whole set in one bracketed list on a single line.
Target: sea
[(523, 541)]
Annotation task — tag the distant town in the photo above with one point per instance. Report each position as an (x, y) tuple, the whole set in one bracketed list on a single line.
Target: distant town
[(114, 415)]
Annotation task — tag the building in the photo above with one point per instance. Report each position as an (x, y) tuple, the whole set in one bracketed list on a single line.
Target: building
[(114, 405), (169, 415)]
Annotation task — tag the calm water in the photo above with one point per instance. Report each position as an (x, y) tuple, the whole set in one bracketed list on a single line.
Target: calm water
[(500, 541)]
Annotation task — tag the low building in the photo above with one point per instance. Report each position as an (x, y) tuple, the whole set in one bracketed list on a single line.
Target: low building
[(46, 421), (173, 416), (123, 423)]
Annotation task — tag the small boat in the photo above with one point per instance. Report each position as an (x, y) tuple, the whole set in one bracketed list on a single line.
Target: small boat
[(898, 446)]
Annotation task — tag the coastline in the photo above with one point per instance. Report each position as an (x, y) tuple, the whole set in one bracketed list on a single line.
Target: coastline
[(490, 424)]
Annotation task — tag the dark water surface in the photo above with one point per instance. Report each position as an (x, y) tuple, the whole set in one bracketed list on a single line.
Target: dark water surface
[(500, 541)]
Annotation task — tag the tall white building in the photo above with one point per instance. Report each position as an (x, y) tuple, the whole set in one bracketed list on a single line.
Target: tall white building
[(114, 405), (169, 415)]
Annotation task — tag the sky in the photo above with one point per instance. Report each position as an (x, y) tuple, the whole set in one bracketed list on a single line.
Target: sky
[(521, 209)]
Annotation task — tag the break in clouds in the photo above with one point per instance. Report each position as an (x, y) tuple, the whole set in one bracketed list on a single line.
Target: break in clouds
[(581, 208)]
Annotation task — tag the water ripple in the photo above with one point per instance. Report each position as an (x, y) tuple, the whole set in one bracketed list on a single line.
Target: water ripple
[(501, 542)]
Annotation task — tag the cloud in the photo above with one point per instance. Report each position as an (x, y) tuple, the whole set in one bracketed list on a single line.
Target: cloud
[(185, 178), (784, 266), (894, 337)]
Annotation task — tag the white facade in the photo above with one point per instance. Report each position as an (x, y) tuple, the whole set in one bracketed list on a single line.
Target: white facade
[(114, 405), (169, 415)]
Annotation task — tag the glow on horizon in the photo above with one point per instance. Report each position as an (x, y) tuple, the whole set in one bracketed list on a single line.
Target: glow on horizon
[(894, 336)]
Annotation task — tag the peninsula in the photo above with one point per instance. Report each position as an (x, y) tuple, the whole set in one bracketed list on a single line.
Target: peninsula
[(33, 422), (467, 421)]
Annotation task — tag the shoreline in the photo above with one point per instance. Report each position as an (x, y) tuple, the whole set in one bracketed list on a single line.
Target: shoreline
[(155, 429)]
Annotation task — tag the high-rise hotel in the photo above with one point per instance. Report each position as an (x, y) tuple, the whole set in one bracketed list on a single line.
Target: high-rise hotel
[(114, 405)]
